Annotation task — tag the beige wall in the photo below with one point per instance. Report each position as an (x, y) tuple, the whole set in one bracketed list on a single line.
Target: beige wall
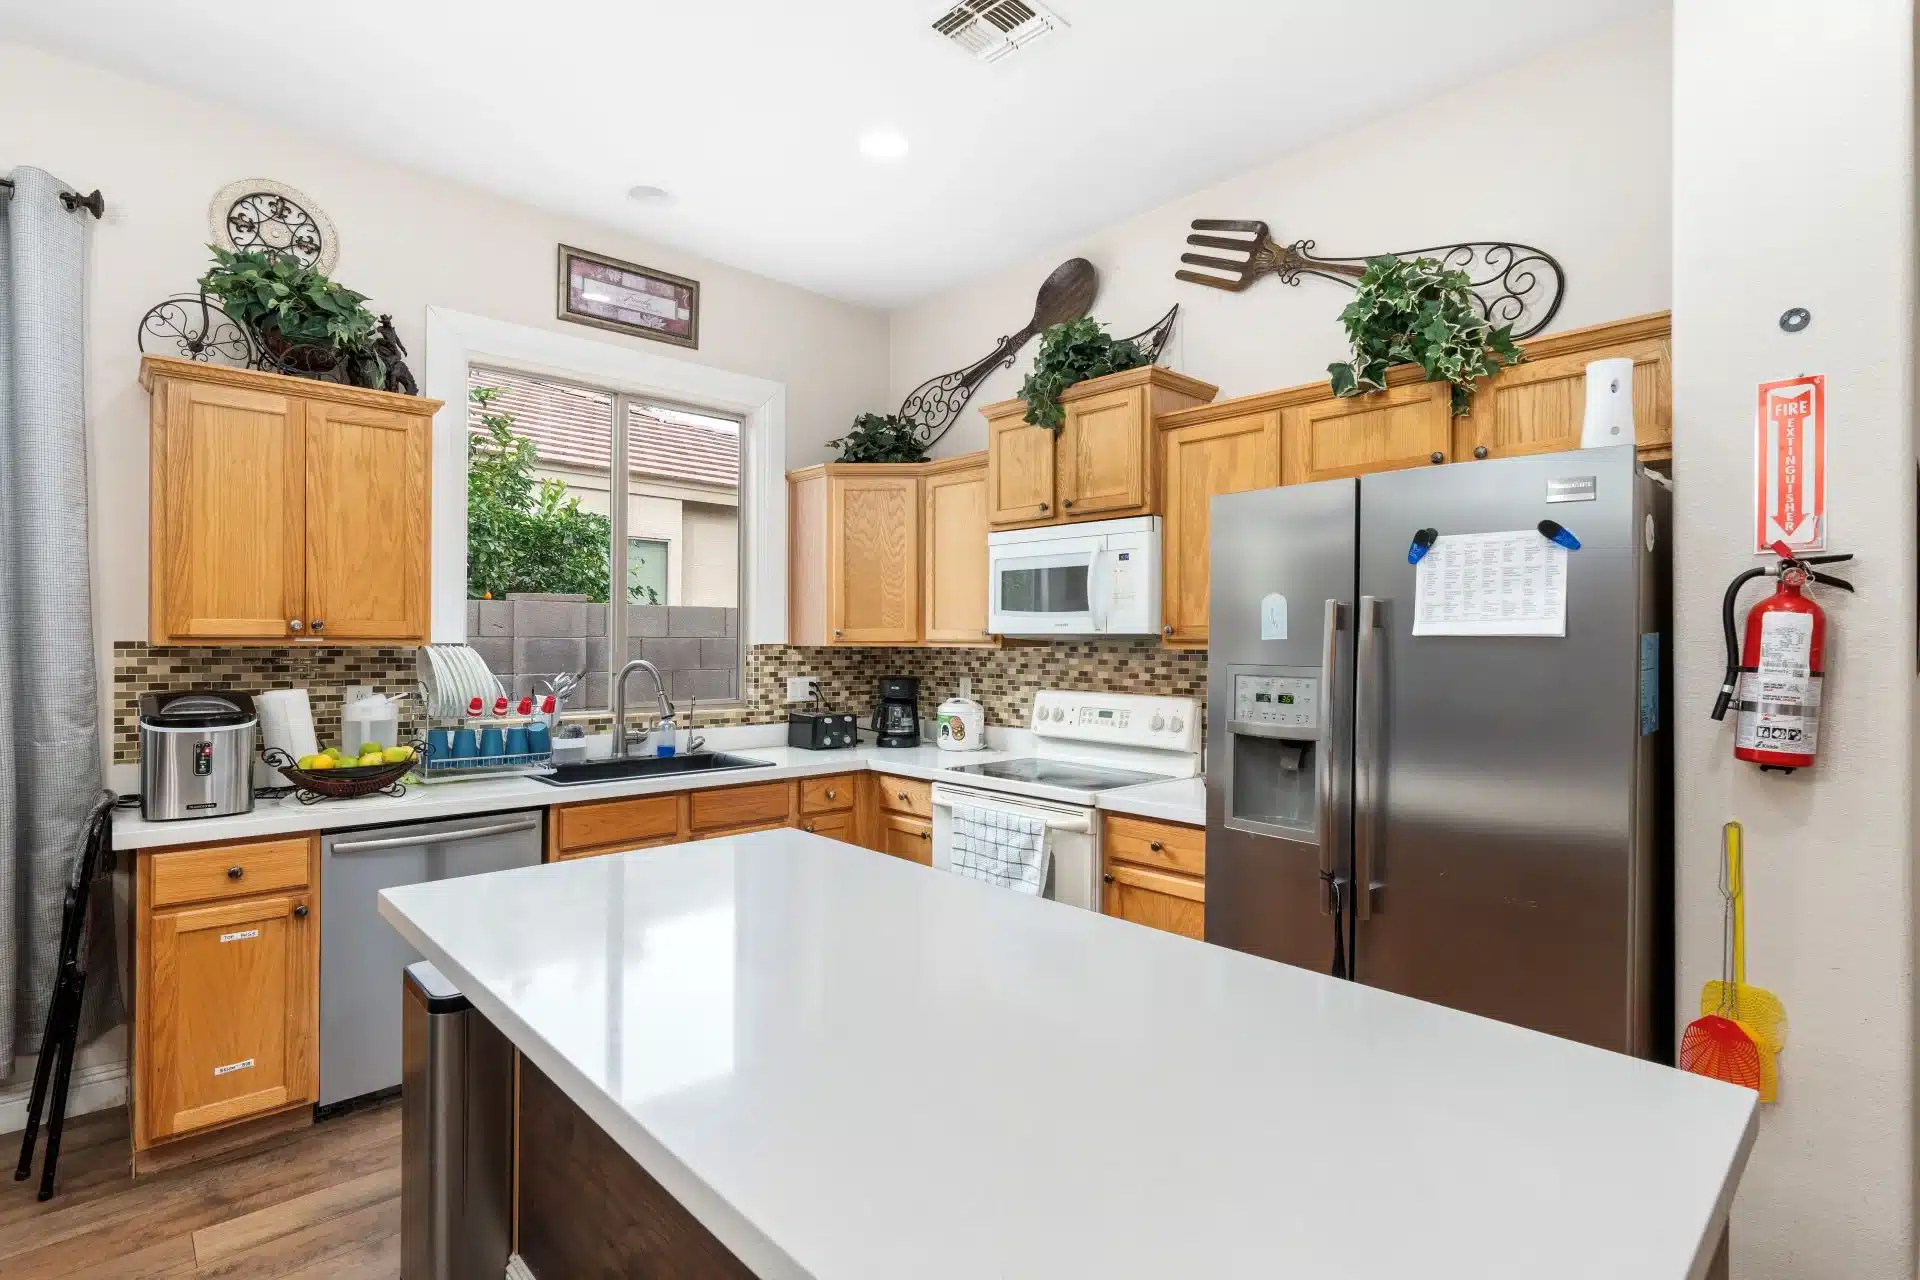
[(1793, 140), (408, 240), (710, 561), (1570, 152)]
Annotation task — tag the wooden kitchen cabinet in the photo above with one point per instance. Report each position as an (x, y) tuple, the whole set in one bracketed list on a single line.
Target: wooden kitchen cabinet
[(285, 510), (1210, 452), (730, 809), (954, 528), (1154, 873), (905, 836), (1403, 426), (226, 989), (835, 826), (853, 546), (611, 826), (1539, 406), (1103, 465)]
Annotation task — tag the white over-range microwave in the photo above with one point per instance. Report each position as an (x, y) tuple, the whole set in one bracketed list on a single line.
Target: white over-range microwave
[(1097, 578)]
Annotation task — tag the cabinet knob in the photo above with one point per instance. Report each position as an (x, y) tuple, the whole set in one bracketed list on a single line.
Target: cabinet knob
[(1068, 504), (318, 625), (1043, 507), (1436, 457), (809, 826), (839, 632), (234, 873), (926, 835), (830, 793), (1167, 630), (1479, 451), (1107, 876), (296, 626), (300, 912), (1155, 845)]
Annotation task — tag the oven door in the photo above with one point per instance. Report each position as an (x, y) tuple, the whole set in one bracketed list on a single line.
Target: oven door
[(1073, 873), (1043, 587)]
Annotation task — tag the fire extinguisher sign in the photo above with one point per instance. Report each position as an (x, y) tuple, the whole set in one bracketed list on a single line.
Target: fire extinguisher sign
[(1790, 465)]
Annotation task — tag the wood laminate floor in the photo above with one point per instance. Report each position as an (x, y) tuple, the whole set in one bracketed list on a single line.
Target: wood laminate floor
[(318, 1203)]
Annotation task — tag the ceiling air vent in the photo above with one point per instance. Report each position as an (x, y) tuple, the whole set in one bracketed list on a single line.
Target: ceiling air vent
[(992, 29)]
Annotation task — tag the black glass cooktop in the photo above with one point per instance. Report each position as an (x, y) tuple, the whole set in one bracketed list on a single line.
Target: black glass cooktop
[(1061, 773)]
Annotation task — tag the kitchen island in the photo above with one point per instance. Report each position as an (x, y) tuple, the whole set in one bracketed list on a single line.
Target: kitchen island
[(838, 1065)]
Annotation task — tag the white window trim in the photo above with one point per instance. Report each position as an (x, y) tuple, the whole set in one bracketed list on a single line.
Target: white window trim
[(457, 340)]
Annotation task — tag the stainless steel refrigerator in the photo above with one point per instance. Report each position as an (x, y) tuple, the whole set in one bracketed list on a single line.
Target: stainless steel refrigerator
[(1482, 821)]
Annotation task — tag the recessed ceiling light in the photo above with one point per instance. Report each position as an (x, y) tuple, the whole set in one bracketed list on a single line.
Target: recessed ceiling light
[(883, 144), (649, 195)]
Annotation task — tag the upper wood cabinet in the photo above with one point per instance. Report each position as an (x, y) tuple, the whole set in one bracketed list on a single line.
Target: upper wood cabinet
[(1103, 464), (1406, 426), (954, 529), (1538, 407), (285, 510), (1211, 452)]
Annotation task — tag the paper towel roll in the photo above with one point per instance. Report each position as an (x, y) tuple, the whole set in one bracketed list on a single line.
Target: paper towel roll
[(286, 722), (1609, 417)]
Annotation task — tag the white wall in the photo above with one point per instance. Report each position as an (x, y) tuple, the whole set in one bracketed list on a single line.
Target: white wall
[(1569, 152), (1793, 162), (409, 241)]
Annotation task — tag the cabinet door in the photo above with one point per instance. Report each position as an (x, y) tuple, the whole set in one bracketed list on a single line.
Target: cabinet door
[(1539, 406), (955, 585), (231, 1013), (229, 513), (905, 836), (1199, 462), (368, 475), (1409, 426), (873, 559), (1020, 477), (1157, 899), (1103, 454), (835, 826)]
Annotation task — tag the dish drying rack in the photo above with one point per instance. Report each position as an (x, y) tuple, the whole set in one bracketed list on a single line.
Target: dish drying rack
[(449, 678)]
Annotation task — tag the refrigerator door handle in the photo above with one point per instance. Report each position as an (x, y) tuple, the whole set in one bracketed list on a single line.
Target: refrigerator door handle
[(1366, 752), (1325, 781)]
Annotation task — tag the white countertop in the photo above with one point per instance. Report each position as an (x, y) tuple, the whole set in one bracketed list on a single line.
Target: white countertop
[(848, 1067), (459, 799), (1181, 800)]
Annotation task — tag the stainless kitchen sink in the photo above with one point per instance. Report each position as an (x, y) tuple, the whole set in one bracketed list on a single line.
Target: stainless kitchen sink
[(578, 775)]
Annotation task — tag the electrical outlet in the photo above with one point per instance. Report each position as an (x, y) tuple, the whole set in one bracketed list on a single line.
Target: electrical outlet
[(802, 689)]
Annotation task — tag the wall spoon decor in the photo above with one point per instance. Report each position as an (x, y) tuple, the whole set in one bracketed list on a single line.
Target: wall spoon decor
[(1512, 284)]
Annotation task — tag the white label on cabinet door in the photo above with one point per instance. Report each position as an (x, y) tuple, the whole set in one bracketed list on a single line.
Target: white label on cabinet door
[(241, 936), (1273, 616), (243, 1065)]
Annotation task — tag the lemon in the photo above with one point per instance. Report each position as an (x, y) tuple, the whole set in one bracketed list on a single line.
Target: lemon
[(372, 760), (370, 749), (333, 753), (394, 755), (317, 762)]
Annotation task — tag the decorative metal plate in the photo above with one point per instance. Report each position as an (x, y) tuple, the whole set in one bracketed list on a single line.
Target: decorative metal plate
[(261, 214)]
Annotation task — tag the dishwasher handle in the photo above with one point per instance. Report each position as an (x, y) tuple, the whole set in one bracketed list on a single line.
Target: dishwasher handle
[(438, 837)]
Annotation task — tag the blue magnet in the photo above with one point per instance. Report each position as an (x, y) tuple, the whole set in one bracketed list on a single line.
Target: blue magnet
[(1422, 543), (1555, 532)]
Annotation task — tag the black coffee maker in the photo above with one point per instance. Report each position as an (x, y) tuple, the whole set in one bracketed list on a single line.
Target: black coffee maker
[(896, 717)]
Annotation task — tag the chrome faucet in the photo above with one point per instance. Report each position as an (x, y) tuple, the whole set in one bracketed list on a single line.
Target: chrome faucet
[(620, 701)]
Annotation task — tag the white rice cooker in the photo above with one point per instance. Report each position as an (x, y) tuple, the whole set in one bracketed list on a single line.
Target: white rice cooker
[(961, 723)]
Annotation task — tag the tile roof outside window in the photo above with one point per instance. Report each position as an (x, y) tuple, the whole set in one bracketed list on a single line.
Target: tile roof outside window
[(569, 428)]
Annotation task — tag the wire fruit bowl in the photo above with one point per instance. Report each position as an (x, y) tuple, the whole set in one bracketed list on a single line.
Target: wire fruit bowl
[(315, 785)]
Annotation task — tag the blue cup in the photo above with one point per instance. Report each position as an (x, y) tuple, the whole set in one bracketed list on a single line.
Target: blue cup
[(493, 747), (465, 747), (517, 744), (539, 743), (439, 748)]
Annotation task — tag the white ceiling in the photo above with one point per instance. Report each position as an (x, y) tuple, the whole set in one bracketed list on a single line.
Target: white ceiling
[(749, 111)]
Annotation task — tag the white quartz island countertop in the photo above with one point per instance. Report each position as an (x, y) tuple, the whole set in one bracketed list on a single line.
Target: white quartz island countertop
[(848, 1067)]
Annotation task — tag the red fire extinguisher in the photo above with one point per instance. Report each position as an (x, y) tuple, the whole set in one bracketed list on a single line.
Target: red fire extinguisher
[(1778, 669)]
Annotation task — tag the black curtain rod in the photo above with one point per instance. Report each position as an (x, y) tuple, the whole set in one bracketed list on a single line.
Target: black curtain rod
[(95, 204)]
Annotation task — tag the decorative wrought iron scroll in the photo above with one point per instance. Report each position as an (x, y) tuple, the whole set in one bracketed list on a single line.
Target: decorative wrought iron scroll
[(196, 329), (1153, 340)]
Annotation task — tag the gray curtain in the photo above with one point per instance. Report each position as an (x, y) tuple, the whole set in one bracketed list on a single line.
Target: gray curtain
[(50, 767)]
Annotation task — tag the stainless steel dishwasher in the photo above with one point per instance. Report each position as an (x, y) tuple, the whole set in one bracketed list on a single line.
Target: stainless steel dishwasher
[(362, 958)]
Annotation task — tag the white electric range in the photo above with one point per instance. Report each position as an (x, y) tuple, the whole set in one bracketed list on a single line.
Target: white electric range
[(1084, 743)]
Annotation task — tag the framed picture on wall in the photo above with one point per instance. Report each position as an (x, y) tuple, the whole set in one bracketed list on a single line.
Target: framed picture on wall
[(628, 298)]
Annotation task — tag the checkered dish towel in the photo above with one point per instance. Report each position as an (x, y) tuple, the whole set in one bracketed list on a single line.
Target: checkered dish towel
[(1000, 846)]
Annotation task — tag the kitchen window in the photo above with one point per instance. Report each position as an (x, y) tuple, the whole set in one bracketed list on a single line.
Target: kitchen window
[(550, 529)]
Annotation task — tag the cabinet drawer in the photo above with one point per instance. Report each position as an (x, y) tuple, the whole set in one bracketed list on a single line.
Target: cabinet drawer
[(730, 807), (1157, 844), (907, 838), (823, 795), (604, 824), (229, 871), (835, 826), (906, 795)]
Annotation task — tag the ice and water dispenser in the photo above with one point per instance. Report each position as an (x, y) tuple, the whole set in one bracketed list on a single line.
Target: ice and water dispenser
[(1276, 730)]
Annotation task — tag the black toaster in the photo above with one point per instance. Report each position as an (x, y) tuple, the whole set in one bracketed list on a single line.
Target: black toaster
[(822, 730)]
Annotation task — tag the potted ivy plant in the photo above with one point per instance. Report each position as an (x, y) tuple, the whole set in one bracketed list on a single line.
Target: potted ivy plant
[(881, 437), (1069, 353), (1418, 311), (309, 324)]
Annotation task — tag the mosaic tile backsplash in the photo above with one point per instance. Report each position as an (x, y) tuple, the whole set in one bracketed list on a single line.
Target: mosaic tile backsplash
[(1004, 680)]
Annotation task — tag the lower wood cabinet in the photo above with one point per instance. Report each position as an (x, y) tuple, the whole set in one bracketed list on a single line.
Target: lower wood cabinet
[(226, 986), (1154, 873), (835, 826), (908, 837)]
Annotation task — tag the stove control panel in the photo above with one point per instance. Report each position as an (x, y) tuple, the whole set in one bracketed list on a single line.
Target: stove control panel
[(1167, 724)]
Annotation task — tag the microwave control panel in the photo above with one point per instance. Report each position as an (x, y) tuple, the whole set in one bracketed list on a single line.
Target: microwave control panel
[(1291, 702)]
